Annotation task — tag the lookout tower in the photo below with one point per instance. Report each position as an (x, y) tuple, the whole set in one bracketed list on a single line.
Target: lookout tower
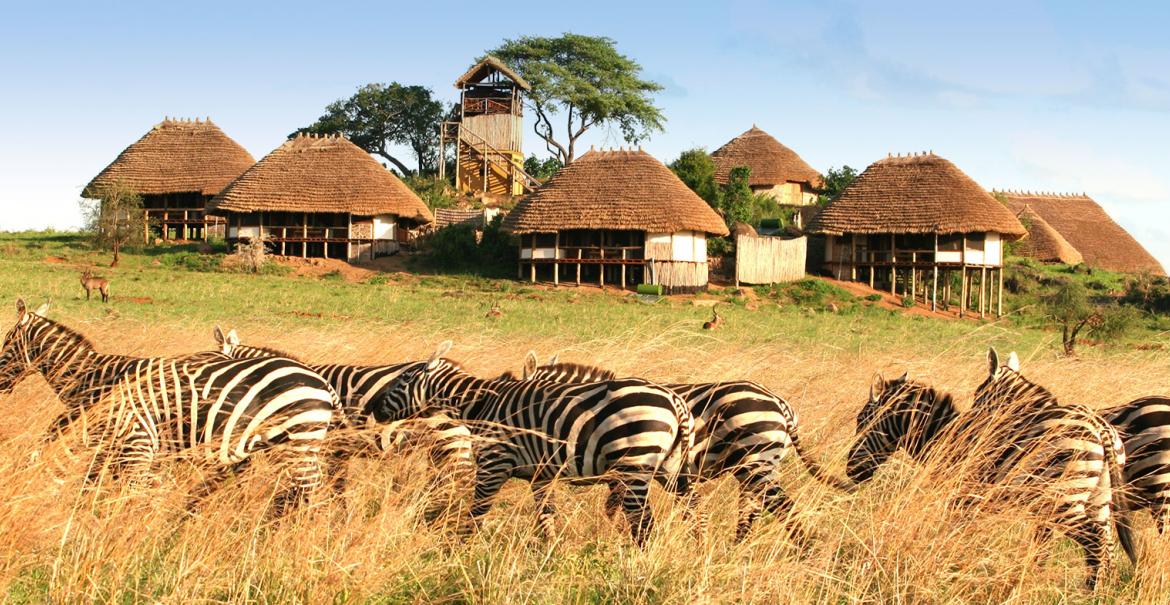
[(488, 132)]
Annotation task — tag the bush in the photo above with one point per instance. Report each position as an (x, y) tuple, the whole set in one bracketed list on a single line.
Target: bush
[(434, 193), (1150, 293), (455, 249), (193, 261), (334, 275), (907, 302), (719, 247)]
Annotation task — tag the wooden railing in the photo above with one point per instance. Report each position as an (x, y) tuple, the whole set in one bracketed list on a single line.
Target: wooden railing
[(487, 105)]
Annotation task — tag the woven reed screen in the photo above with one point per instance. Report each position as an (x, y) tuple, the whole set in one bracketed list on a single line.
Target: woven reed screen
[(769, 260)]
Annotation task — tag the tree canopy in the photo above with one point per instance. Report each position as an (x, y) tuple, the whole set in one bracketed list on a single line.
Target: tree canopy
[(696, 168), (378, 116), (836, 180), (586, 82), (115, 218)]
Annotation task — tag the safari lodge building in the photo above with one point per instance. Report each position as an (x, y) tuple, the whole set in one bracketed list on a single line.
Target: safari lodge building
[(615, 217), (776, 170), (321, 196), (919, 227), (177, 167)]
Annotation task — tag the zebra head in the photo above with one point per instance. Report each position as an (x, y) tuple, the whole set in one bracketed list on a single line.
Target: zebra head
[(412, 391), (1006, 386), (900, 413), (16, 358)]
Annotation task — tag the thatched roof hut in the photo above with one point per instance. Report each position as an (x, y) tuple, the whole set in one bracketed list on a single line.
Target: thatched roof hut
[(908, 218), (176, 166), (770, 161), (1043, 242), (1088, 228), (921, 193), (484, 68), (177, 156), (613, 209), (321, 190)]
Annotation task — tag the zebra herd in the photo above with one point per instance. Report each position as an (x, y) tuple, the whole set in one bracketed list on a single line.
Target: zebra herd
[(1084, 471)]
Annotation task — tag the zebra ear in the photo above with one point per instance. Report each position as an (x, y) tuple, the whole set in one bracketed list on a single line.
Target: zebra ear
[(219, 337), (877, 385), (992, 362), (1013, 363), (20, 306), (233, 339), (41, 310), (552, 361), (437, 356)]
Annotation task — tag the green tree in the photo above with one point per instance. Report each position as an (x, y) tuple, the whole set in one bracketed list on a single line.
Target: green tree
[(738, 199), (378, 116), (114, 218), (586, 82), (1074, 312), (836, 180), (696, 168), (542, 170)]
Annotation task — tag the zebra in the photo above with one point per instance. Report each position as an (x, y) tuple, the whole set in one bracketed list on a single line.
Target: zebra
[(1144, 426), (1068, 451), (742, 429), (225, 409), (625, 430), (449, 444)]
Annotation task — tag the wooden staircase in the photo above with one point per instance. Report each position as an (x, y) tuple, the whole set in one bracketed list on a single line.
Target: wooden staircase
[(482, 167)]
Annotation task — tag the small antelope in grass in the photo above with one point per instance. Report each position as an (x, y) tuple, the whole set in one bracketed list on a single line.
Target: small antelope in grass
[(715, 322), (91, 283)]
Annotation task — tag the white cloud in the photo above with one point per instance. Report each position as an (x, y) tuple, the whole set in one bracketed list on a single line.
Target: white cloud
[(1067, 165)]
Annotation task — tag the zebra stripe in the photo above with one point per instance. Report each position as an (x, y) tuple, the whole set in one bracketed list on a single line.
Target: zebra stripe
[(226, 409), (1144, 426), (626, 430), (1066, 457), (741, 429), (448, 443)]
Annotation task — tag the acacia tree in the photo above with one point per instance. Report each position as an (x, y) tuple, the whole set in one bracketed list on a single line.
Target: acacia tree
[(114, 218), (380, 115), (586, 82), (1074, 311)]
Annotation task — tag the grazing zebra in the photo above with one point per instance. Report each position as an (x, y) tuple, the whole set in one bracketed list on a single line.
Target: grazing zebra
[(741, 429), (1144, 426), (448, 443), (225, 409), (1064, 458), (626, 430)]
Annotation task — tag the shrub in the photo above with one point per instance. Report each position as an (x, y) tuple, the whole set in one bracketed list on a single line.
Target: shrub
[(718, 247), (435, 193), (455, 249), (875, 297), (907, 302), (334, 275), (1073, 311)]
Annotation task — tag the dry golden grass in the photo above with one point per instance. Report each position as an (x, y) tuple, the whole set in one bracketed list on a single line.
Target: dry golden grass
[(898, 540)]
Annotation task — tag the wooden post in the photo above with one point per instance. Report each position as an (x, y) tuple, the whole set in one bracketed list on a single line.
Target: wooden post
[(557, 259), (999, 296), (893, 267), (601, 267), (532, 261), (348, 236), (914, 275), (304, 235), (934, 288), (966, 287), (578, 266), (623, 268), (852, 255), (982, 291), (485, 170)]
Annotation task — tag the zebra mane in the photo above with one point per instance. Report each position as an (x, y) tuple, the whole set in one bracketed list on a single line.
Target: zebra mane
[(579, 371), (929, 409), (1008, 386), (255, 351), (78, 338)]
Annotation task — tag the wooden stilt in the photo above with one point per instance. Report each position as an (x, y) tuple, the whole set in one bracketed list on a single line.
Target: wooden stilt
[(963, 293), (623, 268), (852, 255), (982, 292), (601, 269), (914, 275), (934, 289), (999, 295), (532, 262), (578, 266), (557, 260)]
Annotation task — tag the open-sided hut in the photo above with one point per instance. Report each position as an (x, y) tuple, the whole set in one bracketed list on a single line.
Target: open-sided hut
[(321, 196), (618, 217), (910, 223), (177, 167), (1087, 227), (1043, 242), (776, 170)]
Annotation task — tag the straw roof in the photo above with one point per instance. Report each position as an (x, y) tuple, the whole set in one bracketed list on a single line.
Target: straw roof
[(920, 193), (1086, 226), (322, 174), (771, 162), (614, 190), (476, 73), (176, 156), (1043, 242)]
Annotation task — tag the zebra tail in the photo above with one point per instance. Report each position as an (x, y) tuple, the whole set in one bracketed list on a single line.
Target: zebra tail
[(814, 468), (1122, 514)]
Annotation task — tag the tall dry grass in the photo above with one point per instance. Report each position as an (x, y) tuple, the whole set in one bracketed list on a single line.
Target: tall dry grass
[(900, 539)]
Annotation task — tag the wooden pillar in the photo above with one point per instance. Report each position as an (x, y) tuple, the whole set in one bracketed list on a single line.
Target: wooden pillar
[(601, 267), (348, 236), (963, 267), (623, 268), (893, 267), (914, 275), (999, 295), (852, 255), (532, 260), (557, 259), (578, 266), (304, 235), (485, 170), (934, 288)]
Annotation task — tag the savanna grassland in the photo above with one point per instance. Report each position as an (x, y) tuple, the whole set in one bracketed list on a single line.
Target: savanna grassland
[(897, 540)]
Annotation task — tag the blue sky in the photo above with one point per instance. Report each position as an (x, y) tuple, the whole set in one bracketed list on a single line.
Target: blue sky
[(1056, 96)]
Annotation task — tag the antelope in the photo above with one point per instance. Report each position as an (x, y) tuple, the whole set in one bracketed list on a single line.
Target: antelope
[(91, 283), (715, 320)]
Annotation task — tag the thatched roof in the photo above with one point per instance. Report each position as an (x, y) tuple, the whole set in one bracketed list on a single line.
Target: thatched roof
[(176, 156), (1043, 242), (614, 190), (320, 174), (921, 193), (771, 162), (476, 73), (1085, 225)]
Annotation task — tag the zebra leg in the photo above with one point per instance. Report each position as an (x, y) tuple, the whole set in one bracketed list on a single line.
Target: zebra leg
[(634, 503), (546, 509), (776, 502), (305, 476), (137, 458), (490, 476), (1093, 537), (613, 500), (447, 487), (213, 482)]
